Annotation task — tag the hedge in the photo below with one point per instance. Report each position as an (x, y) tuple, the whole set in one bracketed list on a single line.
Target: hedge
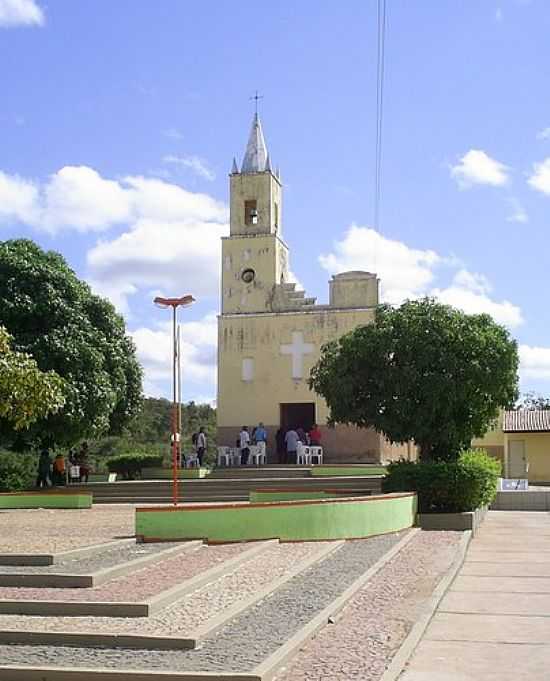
[(447, 486), (17, 471), (130, 465)]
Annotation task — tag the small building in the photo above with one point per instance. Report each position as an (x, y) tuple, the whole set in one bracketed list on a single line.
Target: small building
[(270, 333), (521, 441)]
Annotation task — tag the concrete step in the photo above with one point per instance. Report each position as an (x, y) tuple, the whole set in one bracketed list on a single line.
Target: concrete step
[(205, 490)]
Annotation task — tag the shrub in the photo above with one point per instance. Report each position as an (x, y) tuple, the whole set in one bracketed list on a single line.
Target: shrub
[(17, 471), (130, 465), (447, 486)]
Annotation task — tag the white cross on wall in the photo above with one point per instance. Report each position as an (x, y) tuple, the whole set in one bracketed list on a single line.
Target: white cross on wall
[(297, 349)]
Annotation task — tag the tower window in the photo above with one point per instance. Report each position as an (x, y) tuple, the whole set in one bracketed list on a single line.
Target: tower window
[(276, 214), (250, 213)]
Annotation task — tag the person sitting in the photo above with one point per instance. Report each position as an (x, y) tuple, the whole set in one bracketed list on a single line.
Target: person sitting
[(44, 466), (244, 444)]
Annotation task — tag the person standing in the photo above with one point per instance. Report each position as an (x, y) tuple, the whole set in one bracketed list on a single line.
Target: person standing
[(83, 462), (291, 441), (58, 470), (244, 444), (315, 436), (201, 445), (281, 446), (44, 466)]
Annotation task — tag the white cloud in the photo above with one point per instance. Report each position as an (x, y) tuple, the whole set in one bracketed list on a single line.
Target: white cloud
[(172, 256), (518, 212), (18, 199), (172, 237), (79, 198), (408, 273), (20, 13), (543, 134), (198, 355), (540, 178), (473, 298), (499, 17), (198, 165), (534, 362), (477, 167), (404, 272)]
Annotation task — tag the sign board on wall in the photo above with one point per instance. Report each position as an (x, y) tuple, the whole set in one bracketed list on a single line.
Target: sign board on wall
[(513, 484)]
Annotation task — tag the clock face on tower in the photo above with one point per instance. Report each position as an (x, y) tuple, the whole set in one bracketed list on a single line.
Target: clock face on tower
[(248, 276)]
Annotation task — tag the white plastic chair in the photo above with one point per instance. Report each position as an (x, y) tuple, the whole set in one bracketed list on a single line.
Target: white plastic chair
[(316, 452), (257, 454), (235, 456), (224, 456), (192, 461), (302, 455)]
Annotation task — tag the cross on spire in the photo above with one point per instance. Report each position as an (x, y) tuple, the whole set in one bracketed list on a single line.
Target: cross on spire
[(256, 97)]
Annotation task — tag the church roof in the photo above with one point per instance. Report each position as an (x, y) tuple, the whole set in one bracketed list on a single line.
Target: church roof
[(255, 156), (527, 421)]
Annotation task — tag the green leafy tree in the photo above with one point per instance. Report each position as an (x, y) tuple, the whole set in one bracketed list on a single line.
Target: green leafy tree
[(424, 372), (534, 402), (26, 393), (55, 317)]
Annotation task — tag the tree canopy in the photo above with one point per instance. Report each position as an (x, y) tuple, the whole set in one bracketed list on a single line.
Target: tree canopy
[(534, 402), (26, 393), (424, 372), (55, 318)]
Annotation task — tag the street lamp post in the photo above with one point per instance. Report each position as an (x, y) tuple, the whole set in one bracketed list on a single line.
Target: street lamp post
[(174, 303)]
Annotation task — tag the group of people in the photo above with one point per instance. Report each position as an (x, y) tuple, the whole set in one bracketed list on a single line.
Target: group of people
[(286, 441), (58, 472)]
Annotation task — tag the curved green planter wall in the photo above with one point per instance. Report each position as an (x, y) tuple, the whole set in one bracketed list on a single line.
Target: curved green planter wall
[(45, 500), (348, 518)]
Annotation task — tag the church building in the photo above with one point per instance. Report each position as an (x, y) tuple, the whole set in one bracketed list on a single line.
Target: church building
[(270, 333)]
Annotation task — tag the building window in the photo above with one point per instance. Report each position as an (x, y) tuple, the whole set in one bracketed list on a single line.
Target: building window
[(248, 369), (250, 213), (276, 214)]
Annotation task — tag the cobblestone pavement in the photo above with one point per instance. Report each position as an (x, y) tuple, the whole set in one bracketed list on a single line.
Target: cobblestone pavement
[(141, 584), (375, 622), (246, 640), (87, 565), (63, 530), (191, 611)]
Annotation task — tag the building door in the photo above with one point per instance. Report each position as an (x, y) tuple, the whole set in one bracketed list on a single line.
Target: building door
[(517, 463), (297, 415)]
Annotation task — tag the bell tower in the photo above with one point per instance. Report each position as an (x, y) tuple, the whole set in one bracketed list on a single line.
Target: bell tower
[(254, 256)]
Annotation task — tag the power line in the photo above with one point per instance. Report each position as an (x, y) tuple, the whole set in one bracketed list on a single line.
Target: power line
[(380, 68)]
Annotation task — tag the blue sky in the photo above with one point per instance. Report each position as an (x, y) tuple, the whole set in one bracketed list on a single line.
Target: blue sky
[(119, 121)]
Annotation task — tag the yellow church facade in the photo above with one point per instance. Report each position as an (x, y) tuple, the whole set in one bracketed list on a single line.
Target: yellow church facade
[(270, 333)]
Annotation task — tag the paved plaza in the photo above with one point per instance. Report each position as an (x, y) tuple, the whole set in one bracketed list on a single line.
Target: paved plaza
[(494, 622), (219, 609)]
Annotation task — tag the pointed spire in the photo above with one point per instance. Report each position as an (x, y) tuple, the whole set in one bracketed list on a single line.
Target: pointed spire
[(234, 167), (256, 152), (268, 163), (278, 173)]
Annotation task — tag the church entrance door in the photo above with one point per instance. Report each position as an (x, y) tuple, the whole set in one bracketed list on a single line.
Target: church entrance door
[(297, 415)]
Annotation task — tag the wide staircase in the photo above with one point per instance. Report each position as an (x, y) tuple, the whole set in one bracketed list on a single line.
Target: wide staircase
[(226, 485)]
